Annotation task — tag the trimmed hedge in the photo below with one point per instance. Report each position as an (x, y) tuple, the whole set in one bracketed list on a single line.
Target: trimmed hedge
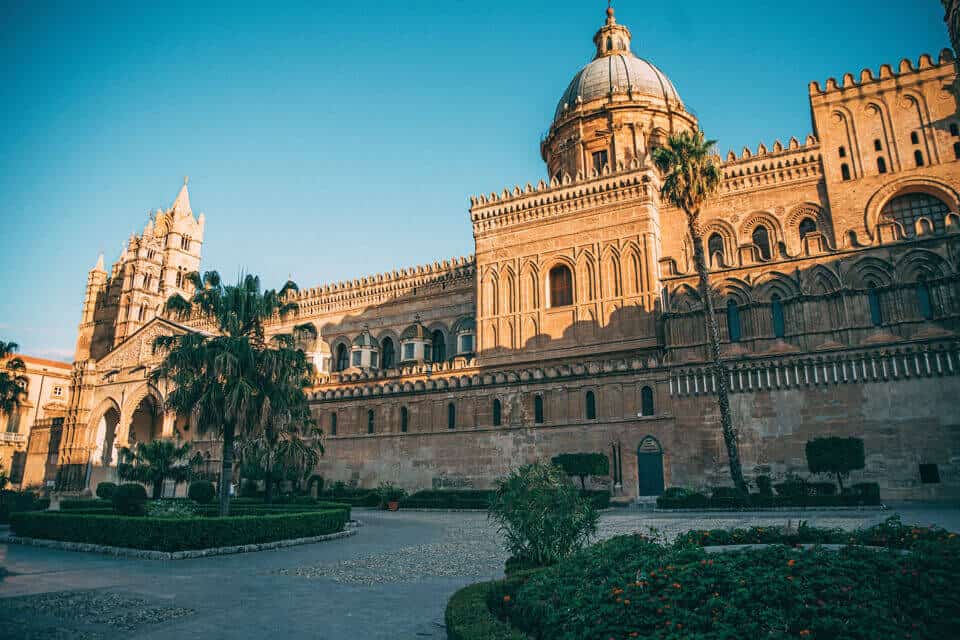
[(105, 490), (789, 495), (468, 618), (86, 505), (176, 534), (17, 501), (354, 497), (448, 499), (259, 508), (202, 491)]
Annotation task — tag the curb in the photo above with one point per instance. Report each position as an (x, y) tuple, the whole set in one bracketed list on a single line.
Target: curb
[(147, 554), (768, 509)]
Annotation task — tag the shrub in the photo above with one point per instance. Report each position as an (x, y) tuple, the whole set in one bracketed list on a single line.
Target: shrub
[(583, 465), (86, 505), (105, 490), (354, 497), (388, 492), (867, 492), (600, 498), (201, 491), (821, 488), (680, 498), (17, 501), (764, 486), (169, 534), (468, 618), (838, 456), (249, 488), (171, 509), (129, 499), (792, 488), (448, 499), (542, 516)]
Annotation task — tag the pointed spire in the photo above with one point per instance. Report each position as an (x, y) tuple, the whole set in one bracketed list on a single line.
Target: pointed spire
[(181, 206), (99, 266), (612, 39)]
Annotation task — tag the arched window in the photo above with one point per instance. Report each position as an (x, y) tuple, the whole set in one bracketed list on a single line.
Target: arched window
[(954, 131), (333, 424), (538, 409), (404, 418), (369, 420), (873, 300), (591, 406), (343, 361), (914, 137), (881, 165), (646, 401), (609, 44), (451, 416), (561, 286), (733, 320), (715, 249), (807, 225), (761, 239), (845, 171), (185, 243), (842, 152), (438, 350), (918, 157), (776, 311), (910, 207), (497, 412), (877, 145), (923, 300), (146, 281), (389, 354), (956, 150)]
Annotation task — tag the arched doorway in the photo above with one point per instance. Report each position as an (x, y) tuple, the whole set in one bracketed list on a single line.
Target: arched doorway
[(146, 424), (650, 467)]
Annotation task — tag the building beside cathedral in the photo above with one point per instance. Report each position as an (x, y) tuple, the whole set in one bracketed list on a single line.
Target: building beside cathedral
[(577, 326)]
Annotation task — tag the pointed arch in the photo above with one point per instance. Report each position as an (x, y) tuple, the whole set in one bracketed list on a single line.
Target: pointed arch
[(633, 270), (612, 275), (684, 299), (870, 270), (820, 280), (529, 286), (586, 276), (508, 289), (490, 294), (728, 243), (736, 289), (921, 264), (777, 283)]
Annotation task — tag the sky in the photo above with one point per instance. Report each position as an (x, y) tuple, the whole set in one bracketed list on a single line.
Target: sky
[(331, 140)]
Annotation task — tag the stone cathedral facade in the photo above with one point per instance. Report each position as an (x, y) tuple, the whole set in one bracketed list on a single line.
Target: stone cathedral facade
[(576, 326)]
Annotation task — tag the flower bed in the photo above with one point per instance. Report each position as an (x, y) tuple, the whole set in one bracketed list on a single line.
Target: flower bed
[(468, 618), (176, 534)]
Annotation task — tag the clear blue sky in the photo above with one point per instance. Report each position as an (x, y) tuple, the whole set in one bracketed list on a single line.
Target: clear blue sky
[(330, 140)]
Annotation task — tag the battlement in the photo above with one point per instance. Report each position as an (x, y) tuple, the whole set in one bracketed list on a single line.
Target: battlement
[(886, 72), (771, 166)]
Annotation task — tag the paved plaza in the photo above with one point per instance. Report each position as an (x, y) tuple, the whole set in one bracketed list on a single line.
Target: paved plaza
[(390, 581)]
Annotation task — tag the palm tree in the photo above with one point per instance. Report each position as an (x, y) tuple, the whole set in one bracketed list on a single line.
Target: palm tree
[(13, 383), (690, 178), (226, 381), (154, 463)]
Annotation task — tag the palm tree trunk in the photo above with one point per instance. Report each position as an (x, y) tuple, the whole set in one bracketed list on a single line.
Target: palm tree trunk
[(158, 488), (226, 470), (268, 487), (719, 368)]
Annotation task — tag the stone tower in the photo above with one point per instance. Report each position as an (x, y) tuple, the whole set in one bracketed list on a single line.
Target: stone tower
[(152, 267)]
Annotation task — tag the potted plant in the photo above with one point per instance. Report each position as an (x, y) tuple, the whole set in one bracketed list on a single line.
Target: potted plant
[(390, 496)]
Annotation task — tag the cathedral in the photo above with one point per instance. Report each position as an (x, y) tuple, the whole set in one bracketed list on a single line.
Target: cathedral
[(576, 326)]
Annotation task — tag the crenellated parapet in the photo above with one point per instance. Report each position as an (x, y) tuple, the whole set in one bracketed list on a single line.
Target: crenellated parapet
[(866, 77), (773, 166), (568, 194)]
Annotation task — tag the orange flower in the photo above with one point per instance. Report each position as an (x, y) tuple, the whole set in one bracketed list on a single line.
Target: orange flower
[(790, 563), (626, 602), (790, 578), (506, 598), (676, 585), (805, 632)]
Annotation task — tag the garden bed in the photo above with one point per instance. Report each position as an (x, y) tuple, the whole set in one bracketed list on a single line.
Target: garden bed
[(176, 534)]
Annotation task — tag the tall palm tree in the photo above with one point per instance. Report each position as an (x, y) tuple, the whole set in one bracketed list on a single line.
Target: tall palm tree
[(225, 381), (154, 463), (13, 383), (690, 178)]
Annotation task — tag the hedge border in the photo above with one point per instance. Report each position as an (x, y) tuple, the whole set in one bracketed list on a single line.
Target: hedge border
[(148, 554), (468, 618)]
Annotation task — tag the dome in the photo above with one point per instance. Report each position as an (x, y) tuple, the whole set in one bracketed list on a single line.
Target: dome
[(618, 73), (366, 341), (415, 331)]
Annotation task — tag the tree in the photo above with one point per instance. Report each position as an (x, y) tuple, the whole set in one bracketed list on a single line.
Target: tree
[(838, 456), (583, 465), (228, 380), (690, 178), (154, 463), (13, 383), (280, 454)]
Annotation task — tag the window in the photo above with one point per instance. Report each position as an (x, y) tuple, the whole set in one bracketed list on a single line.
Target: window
[(923, 300), (599, 160), (761, 239), (929, 474), (388, 355), (877, 145), (13, 421), (561, 286), (910, 207), (356, 358), (776, 311), (179, 279), (733, 320), (646, 401), (845, 171), (914, 137), (404, 419), (538, 409), (807, 226), (451, 416), (58, 392), (333, 424), (954, 131), (873, 300), (438, 349), (466, 343), (497, 412), (146, 281), (185, 243), (369, 420), (342, 362), (715, 249), (408, 349), (374, 358), (842, 152), (591, 406), (956, 150), (881, 165), (918, 157)]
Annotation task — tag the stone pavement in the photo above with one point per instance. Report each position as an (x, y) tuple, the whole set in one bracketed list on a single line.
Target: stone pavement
[(390, 581)]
